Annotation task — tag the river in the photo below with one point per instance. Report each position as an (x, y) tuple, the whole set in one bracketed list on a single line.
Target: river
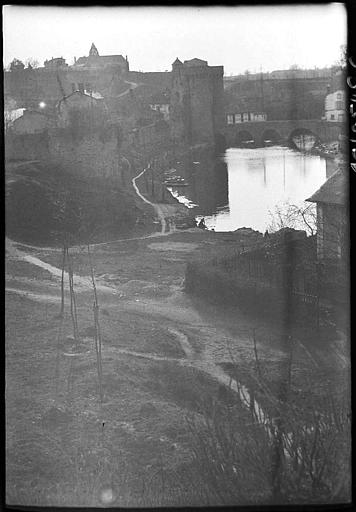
[(243, 187)]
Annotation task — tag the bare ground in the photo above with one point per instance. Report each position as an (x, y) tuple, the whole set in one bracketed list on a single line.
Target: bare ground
[(165, 356)]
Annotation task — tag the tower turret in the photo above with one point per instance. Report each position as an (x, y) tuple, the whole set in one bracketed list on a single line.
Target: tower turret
[(177, 63), (93, 52)]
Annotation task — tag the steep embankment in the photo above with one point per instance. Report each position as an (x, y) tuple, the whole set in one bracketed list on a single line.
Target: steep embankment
[(43, 201)]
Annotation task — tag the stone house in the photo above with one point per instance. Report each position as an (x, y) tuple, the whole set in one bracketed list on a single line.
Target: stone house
[(335, 106), (84, 141), (32, 122), (332, 217), (160, 103), (28, 137), (55, 63), (336, 98), (89, 108)]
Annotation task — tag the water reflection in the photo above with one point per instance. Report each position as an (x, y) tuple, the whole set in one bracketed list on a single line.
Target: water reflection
[(241, 187), (207, 184)]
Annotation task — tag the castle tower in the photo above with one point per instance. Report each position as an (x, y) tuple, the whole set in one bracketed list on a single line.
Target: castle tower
[(177, 104), (196, 102), (93, 52)]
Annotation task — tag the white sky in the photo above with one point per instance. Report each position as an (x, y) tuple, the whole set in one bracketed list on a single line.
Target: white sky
[(239, 38)]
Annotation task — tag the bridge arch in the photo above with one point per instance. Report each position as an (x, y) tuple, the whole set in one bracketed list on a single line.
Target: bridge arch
[(303, 138), (244, 138), (271, 136)]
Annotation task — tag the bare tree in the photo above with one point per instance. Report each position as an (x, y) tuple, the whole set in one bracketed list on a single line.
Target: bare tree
[(342, 60), (32, 63), (16, 65), (295, 216)]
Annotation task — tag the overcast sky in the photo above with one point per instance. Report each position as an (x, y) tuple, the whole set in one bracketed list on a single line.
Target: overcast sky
[(239, 38)]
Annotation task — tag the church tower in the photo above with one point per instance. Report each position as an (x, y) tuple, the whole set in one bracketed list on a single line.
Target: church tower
[(93, 51)]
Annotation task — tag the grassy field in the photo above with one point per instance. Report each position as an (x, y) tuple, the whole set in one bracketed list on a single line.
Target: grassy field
[(169, 431)]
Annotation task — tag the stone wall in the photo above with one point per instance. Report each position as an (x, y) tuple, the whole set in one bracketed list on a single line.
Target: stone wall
[(298, 98), (88, 156), (196, 103), (162, 80), (30, 87), (151, 139)]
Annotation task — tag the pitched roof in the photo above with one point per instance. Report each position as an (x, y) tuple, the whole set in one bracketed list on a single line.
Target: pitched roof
[(333, 191), (196, 62), (27, 112), (100, 59), (77, 93)]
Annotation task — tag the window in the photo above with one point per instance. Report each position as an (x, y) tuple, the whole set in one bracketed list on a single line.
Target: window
[(230, 118), (332, 117), (237, 118), (339, 105), (339, 96)]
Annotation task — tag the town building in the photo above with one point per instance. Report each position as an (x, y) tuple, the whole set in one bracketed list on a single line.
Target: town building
[(31, 122), (160, 102), (281, 94), (243, 117), (96, 61), (196, 113), (27, 138), (96, 74), (332, 217), (81, 109), (335, 106), (55, 63)]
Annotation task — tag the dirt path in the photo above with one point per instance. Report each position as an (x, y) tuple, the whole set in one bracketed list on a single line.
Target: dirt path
[(82, 283), (156, 207), (179, 316), (133, 85)]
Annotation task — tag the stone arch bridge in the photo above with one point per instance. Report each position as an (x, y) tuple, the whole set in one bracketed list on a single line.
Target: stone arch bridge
[(281, 131)]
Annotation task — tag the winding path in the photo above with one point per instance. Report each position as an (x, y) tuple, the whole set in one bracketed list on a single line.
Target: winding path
[(82, 282), (156, 207), (133, 86)]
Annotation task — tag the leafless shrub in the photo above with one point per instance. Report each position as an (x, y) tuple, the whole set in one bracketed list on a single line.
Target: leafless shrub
[(295, 216), (279, 450)]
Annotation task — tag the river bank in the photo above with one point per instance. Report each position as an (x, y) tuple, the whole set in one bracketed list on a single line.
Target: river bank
[(172, 364), (166, 359)]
